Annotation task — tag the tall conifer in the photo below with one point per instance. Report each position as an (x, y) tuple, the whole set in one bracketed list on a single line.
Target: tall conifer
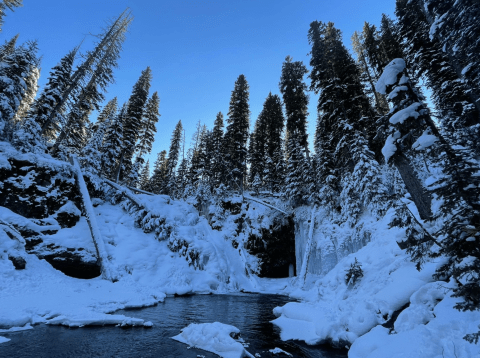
[(237, 131)]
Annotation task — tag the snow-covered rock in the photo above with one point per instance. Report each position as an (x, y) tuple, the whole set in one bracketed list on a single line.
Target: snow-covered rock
[(214, 337)]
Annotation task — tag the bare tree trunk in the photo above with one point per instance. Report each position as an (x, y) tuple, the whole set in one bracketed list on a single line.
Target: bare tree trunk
[(102, 256), (420, 196)]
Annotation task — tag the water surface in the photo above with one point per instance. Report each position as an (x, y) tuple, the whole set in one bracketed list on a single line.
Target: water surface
[(249, 313)]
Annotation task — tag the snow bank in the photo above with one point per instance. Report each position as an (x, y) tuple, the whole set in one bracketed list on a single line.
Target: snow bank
[(41, 294), (390, 75), (337, 313), (213, 337), (429, 327), (147, 269)]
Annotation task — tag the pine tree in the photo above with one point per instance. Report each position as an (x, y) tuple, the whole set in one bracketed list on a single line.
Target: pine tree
[(403, 133), (110, 108), (146, 135), (343, 159), (449, 92), (113, 144), (31, 81), (455, 25), (293, 90), (183, 188), (13, 86), (367, 74), (133, 121), (389, 44), (57, 83), (10, 4), (218, 164), (202, 155), (145, 176), (458, 188), (275, 123), (8, 48), (265, 145), (197, 156), (257, 152), (172, 161), (73, 134), (106, 50), (91, 156), (157, 181), (237, 132)]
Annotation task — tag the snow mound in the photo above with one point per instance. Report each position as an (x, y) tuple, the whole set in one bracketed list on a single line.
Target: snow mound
[(213, 337), (429, 327), (337, 313), (390, 75)]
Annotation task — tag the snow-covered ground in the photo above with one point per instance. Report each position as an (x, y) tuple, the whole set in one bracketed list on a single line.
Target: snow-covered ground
[(353, 315), (147, 270)]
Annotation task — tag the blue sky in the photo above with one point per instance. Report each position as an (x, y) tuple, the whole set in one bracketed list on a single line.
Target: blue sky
[(196, 48)]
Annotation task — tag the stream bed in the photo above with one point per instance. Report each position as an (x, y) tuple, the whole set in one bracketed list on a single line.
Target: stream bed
[(251, 313)]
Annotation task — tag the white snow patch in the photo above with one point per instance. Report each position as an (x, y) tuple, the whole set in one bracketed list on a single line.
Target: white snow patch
[(17, 329), (390, 75), (389, 148), (424, 141), (333, 311), (396, 91), (402, 115), (277, 350), (213, 337), (429, 328)]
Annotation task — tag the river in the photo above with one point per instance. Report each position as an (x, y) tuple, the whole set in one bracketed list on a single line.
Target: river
[(250, 313)]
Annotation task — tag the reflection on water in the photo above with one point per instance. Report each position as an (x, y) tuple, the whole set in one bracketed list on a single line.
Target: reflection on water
[(249, 313)]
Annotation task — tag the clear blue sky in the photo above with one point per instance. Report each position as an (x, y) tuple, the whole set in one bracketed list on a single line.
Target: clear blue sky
[(196, 48)]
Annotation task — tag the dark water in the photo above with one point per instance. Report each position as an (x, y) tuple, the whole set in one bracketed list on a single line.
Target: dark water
[(249, 313)]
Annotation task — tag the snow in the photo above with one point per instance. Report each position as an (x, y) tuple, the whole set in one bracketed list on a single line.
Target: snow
[(330, 311), (424, 141), (429, 327), (92, 223), (390, 75), (335, 312), (147, 270), (409, 112), (389, 148), (396, 91), (280, 351), (213, 337)]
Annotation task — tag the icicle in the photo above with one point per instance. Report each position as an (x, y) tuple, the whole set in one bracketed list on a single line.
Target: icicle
[(308, 248)]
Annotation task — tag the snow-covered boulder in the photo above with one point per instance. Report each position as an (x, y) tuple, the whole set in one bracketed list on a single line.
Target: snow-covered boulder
[(214, 337)]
